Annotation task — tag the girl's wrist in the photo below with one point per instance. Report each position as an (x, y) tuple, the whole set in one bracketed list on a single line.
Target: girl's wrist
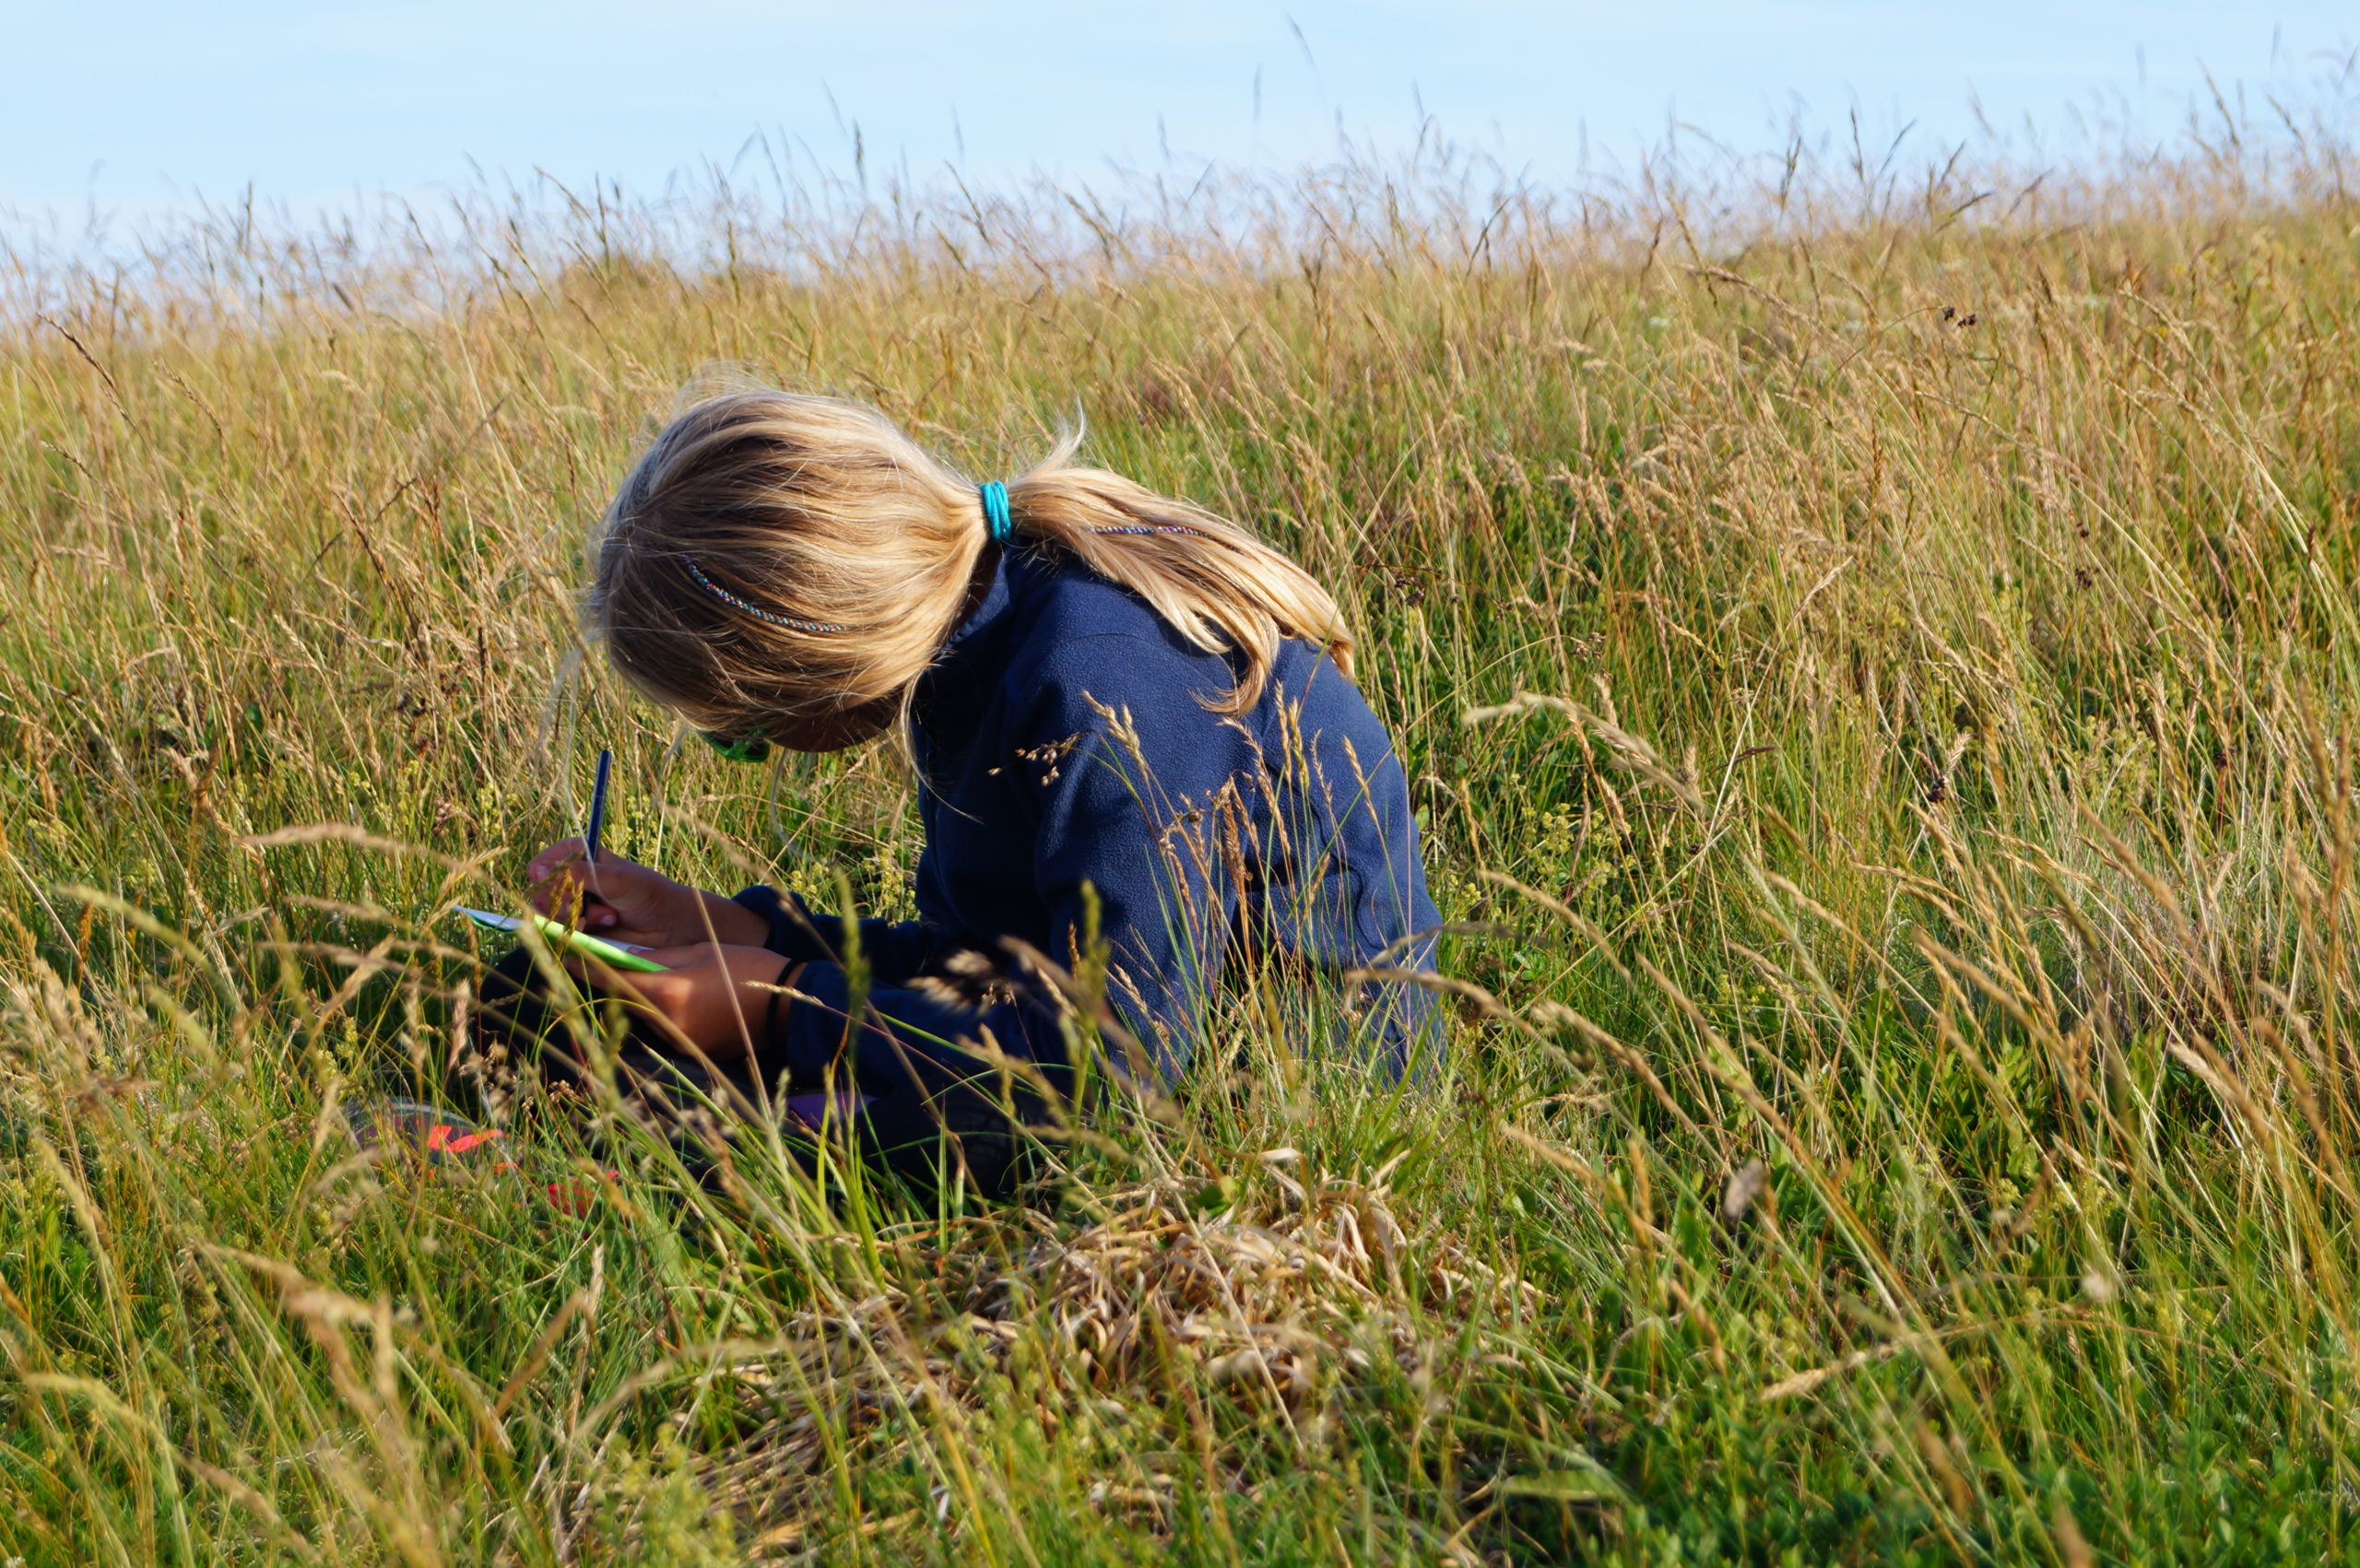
[(732, 924)]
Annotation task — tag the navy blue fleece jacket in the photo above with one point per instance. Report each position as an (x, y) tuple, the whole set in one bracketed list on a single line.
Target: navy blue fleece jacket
[(1060, 745)]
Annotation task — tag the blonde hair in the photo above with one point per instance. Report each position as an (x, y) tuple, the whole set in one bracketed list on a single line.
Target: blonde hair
[(778, 555)]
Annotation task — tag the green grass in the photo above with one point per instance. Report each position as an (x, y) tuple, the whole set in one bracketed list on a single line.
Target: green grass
[(1882, 687)]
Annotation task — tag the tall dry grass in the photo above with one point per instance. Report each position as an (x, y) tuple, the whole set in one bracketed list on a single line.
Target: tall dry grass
[(1876, 660)]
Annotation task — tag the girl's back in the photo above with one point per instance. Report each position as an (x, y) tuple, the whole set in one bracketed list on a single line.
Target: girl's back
[(1064, 741)]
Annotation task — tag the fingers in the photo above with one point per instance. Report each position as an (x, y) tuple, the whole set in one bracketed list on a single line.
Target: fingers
[(572, 855), (561, 876), (655, 993), (558, 857), (564, 897)]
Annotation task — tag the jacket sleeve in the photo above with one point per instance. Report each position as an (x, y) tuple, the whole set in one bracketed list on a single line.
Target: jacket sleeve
[(894, 950)]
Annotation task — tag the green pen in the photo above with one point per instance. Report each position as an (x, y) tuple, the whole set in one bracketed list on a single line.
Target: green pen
[(614, 955)]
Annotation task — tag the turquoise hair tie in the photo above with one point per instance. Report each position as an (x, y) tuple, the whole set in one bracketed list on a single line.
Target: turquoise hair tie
[(997, 522)]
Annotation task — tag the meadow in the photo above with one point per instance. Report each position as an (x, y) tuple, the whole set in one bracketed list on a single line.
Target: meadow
[(1879, 676)]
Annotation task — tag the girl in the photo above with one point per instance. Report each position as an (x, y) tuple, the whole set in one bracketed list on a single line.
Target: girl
[(1126, 717)]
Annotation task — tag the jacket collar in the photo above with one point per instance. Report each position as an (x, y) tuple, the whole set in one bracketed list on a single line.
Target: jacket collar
[(974, 650), (989, 611)]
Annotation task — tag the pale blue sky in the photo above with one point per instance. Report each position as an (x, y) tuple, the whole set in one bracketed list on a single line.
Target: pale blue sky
[(313, 101)]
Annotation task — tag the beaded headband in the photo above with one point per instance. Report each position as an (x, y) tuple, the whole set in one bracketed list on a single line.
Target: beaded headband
[(757, 611)]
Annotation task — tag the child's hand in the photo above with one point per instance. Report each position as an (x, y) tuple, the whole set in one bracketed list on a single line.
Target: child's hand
[(626, 901), (717, 998)]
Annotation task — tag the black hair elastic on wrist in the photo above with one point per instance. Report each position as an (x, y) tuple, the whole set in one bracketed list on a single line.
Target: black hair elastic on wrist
[(778, 993)]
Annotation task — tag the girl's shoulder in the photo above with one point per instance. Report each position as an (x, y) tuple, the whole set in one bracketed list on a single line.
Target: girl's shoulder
[(1083, 642), (1062, 606), (1082, 646)]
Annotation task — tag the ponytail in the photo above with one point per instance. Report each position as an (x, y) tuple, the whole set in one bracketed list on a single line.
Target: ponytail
[(1217, 585)]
